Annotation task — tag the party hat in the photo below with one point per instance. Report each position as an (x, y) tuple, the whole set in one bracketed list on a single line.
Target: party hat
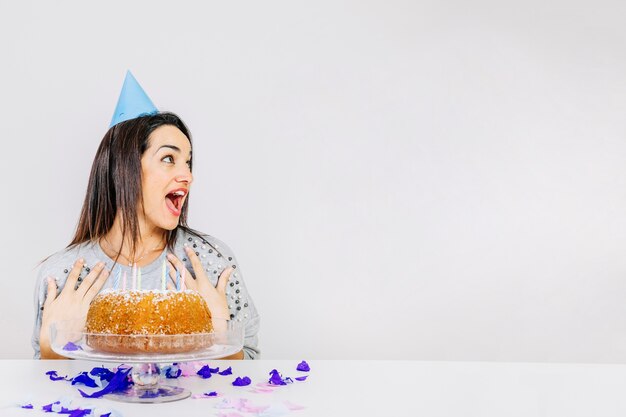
[(133, 102)]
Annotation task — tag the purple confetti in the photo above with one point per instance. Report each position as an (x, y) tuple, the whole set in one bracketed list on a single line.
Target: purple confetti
[(48, 407), (119, 382), (29, 406), (227, 371), (205, 372), (303, 366), (54, 377), (301, 378), (214, 370), (275, 378), (79, 412), (242, 382), (103, 373), (84, 379), (71, 347), (211, 394), (173, 372)]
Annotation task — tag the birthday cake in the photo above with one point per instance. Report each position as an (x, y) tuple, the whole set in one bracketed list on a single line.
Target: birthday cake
[(148, 321)]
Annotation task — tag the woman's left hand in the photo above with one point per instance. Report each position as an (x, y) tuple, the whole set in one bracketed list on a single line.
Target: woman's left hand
[(215, 297)]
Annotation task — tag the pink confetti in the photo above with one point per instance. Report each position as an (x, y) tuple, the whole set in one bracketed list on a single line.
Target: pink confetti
[(240, 404), (262, 390), (293, 407), (190, 368)]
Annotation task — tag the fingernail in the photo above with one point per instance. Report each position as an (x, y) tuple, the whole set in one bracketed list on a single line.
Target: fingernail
[(49, 280)]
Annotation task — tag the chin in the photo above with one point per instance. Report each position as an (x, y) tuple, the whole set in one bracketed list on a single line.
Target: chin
[(170, 226)]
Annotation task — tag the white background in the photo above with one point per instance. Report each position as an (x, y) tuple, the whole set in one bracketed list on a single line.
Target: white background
[(409, 180)]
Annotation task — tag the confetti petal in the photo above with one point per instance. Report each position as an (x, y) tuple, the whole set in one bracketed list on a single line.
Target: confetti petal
[(205, 372), (190, 368), (302, 378), (274, 410), (84, 379), (103, 373), (54, 377), (276, 378), (212, 394), (71, 347), (303, 366), (242, 382), (29, 406), (293, 406), (173, 372), (227, 371), (79, 412), (119, 382)]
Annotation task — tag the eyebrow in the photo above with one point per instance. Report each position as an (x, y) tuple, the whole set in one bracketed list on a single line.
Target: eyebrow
[(175, 148)]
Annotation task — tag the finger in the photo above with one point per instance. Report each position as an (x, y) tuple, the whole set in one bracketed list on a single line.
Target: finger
[(97, 285), (195, 262), (173, 271), (179, 265), (88, 281), (51, 295), (175, 262), (72, 278), (223, 280)]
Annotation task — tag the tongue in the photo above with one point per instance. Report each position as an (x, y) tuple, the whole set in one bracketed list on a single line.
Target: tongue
[(171, 204)]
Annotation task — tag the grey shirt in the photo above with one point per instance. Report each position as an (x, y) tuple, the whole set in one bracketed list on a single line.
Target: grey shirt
[(214, 255)]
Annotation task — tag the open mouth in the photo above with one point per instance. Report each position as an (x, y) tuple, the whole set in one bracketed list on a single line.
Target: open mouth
[(174, 201)]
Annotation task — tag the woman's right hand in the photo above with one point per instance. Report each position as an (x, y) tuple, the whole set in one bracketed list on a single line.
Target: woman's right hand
[(71, 304)]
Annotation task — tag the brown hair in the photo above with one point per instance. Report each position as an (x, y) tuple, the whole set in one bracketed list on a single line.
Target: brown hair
[(115, 181)]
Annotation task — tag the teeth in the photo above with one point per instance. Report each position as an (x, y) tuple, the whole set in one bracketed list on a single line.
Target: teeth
[(179, 193)]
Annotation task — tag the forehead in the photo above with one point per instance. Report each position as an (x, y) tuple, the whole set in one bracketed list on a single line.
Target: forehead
[(169, 135)]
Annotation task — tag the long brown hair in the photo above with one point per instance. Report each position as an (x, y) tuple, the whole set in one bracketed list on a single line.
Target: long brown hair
[(115, 181)]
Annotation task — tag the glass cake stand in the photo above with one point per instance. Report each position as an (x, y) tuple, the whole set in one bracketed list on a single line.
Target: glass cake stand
[(145, 353)]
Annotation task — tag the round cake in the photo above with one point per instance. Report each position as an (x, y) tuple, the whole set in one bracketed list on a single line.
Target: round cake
[(148, 321)]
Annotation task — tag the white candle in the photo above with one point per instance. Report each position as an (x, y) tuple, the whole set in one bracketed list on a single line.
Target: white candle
[(163, 278)]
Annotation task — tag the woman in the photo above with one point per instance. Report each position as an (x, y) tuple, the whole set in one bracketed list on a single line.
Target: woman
[(135, 213)]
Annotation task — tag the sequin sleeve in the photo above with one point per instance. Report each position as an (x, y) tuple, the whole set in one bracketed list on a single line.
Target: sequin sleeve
[(216, 256)]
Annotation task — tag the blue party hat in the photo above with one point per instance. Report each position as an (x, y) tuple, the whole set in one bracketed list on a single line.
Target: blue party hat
[(133, 102)]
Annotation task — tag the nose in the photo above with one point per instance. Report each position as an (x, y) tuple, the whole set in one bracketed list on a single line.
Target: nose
[(185, 177)]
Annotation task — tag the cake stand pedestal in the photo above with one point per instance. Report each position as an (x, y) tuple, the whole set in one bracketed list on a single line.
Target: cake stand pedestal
[(146, 354)]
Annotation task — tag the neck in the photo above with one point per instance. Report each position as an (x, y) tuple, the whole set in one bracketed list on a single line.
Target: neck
[(150, 239)]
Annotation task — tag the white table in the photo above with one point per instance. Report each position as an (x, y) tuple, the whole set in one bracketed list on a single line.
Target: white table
[(351, 388)]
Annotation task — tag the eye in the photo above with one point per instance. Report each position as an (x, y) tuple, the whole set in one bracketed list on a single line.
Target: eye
[(168, 159), (189, 163)]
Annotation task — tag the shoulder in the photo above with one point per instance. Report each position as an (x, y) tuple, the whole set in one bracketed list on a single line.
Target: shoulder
[(65, 258), (194, 237)]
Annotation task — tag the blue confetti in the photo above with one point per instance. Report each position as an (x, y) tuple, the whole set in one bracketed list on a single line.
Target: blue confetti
[(205, 372), (54, 377), (84, 379), (242, 382), (119, 382), (103, 373), (71, 347), (303, 366), (227, 371)]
